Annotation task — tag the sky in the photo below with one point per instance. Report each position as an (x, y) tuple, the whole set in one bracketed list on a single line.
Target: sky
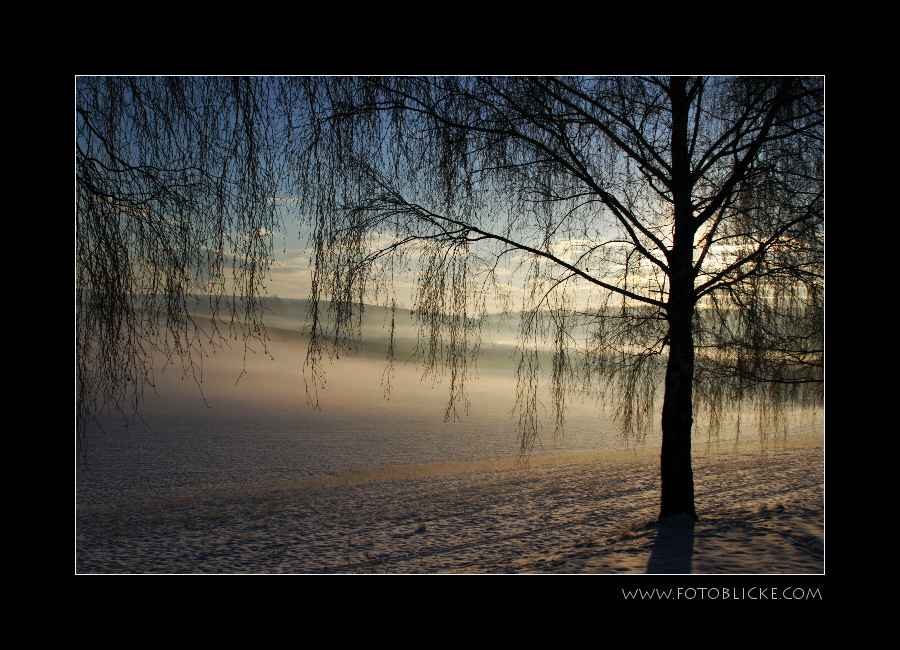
[(291, 274)]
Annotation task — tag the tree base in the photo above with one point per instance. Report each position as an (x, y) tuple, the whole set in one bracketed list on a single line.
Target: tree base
[(677, 517), (670, 516)]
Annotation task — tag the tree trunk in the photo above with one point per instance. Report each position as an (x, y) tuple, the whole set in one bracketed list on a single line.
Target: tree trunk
[(677, 475)]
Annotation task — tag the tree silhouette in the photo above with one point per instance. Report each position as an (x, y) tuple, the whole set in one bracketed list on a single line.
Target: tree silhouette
[(667, 233), (655, 233)]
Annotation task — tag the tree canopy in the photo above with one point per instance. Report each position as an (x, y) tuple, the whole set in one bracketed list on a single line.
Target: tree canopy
[(656, 234)]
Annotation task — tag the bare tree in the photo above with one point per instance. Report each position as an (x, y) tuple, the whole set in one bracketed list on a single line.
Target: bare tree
[(667, 232), (654, 233)]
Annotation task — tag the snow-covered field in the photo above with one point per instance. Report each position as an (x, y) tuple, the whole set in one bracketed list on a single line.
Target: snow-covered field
[(761, 513)]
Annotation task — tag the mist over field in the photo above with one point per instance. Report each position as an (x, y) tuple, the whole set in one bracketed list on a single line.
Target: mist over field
[(252, 408), (250, 418)]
